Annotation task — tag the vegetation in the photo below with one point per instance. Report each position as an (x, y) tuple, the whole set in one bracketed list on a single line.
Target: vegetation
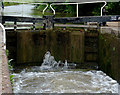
[(9, 3), (10, 67), (112, 8)]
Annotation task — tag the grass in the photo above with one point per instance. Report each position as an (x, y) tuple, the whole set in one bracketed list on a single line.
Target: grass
[(10, 3), (20, 0), (10, 67)]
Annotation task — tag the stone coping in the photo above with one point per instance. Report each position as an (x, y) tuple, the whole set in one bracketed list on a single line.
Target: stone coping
[(5, 84)]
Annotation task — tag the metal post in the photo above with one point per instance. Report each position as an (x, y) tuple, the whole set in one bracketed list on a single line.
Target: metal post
[(79, 3), (33, 25), (48, 23), (4, 36), (15, 26), (77, 10), (103, 7)]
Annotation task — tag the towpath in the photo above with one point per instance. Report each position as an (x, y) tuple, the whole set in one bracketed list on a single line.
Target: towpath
[(5, 84)]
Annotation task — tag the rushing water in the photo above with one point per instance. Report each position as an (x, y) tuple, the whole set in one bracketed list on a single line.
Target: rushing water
[(38, 80)]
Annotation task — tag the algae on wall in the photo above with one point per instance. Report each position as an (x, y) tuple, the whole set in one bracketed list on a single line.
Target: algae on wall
[(63, 45), (109, 53)]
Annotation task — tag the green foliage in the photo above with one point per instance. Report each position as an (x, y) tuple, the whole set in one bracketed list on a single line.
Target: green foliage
[(112, 8), (39, 7), (114, 48), (96, 11), (11, 79), (7, 52), (10, 67), (65, 8), (9, 3), (9, 61), (59, 8)]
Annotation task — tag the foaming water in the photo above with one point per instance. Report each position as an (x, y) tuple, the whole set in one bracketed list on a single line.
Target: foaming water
[(64, 82), (44, 79), (49, 63)]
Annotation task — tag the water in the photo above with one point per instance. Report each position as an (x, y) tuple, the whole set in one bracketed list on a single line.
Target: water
[(55, 77), (64, 82), (49, 63), (38, 80), (25, 10)]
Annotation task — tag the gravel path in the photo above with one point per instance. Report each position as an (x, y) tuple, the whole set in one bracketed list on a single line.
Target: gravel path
[(0, 61)]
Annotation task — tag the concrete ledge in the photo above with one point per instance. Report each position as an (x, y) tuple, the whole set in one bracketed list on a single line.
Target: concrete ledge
[(111, 30), (113, 24)]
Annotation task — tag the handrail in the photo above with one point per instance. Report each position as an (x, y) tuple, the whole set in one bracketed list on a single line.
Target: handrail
[(77, 5), (103, 7), (77, 10), (42, 4), (4, 36), (32, 3)]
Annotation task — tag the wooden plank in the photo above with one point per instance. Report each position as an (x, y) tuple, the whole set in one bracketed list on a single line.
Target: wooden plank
[(64, 19), (75, 25), (22, 19), (24, 25), (87, 19)]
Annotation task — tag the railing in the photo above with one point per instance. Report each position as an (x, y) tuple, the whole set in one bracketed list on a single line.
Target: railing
[(77, 12), (4, 35), (50, 21), (78, 4)]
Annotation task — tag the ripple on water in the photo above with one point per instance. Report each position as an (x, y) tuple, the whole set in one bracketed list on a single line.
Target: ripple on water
[(64, 82)]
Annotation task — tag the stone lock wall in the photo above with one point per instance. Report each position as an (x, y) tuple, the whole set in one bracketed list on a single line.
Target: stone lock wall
[(109, 55)]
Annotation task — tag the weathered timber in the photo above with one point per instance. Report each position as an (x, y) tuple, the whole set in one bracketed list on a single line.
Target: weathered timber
[(21, 19), (63, 20), (50, 20), (87, 19), (24, 25), (48, 24), (91, 48)]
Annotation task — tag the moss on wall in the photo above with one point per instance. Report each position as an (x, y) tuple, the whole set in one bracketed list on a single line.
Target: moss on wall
[(109, 53), (63, 45)]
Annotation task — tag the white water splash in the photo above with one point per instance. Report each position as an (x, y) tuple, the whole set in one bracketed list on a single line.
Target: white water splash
[(32, 80), (49, 63)]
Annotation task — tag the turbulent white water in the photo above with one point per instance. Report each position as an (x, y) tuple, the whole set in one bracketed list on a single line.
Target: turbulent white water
[(49, 63), (64, 82), (36, 80)]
